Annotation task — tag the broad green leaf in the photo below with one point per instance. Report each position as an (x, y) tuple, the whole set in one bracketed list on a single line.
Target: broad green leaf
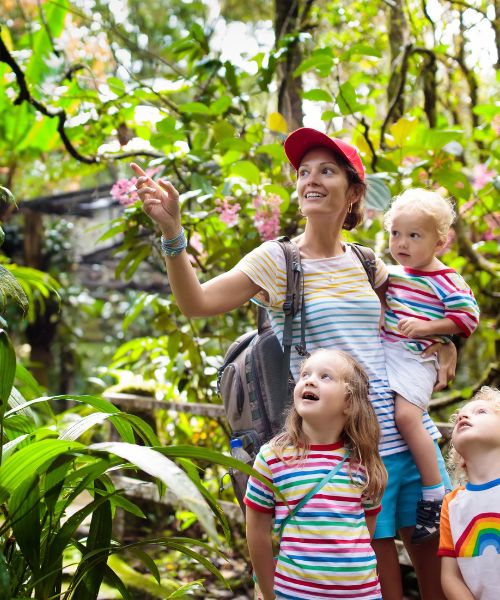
[(274, 150), (247, 170), (78, 428), (221, 105), (29, 461), (347, 100), (94, 401), (378, 195), (195, 108), (184, 590), (10, 288), (317, 95), (24, 510), (223, 129), (276, 122), (153, 463), (323, 62)]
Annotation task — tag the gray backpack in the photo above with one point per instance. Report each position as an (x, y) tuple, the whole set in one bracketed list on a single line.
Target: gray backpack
[(254, 380)]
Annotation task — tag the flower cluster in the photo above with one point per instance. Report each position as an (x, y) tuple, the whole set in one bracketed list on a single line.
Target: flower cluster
[(124, 190), (228, 210), (481, 176), (267, 215)]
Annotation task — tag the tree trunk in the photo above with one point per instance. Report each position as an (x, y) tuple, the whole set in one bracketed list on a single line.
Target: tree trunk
[(397, 42), (288, 21)]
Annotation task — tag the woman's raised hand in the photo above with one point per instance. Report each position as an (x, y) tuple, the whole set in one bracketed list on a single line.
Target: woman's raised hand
[(160, 201)]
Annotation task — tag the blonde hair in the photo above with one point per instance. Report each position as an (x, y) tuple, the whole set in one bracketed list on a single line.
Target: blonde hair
[(456, 462), (430, 203), (361, 432)]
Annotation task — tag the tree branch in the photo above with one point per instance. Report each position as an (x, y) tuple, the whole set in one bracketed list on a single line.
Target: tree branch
[(468, 6), (489, 377), (399, 92)]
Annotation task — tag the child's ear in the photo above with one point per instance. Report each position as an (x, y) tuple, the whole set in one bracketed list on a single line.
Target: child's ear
[(441, 243)]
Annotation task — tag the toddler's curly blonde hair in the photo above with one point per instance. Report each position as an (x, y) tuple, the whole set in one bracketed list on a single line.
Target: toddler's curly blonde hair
[(430, 203)]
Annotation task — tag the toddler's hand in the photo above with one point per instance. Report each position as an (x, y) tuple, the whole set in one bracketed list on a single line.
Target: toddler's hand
[(412, 327)]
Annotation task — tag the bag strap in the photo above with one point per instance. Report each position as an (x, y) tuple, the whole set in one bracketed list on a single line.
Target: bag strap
[(367, 258), (328, 477), (294, 300)]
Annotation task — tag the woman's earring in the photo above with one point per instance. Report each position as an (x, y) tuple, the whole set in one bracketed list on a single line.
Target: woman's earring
[(350, 208)]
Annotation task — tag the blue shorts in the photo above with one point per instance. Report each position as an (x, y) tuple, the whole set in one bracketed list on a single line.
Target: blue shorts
[(403, 491)]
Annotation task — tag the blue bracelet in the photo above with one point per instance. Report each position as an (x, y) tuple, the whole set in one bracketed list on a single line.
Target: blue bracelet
[(174, 246)]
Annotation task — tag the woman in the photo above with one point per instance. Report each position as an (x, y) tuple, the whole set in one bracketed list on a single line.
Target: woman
[(342, 311)]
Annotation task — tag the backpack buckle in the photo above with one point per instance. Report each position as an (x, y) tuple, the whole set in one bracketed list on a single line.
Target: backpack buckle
[(288, 306)]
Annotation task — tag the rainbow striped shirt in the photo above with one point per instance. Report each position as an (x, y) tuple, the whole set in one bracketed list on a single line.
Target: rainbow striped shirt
[(342, 312), (325, 550), (427, 295)]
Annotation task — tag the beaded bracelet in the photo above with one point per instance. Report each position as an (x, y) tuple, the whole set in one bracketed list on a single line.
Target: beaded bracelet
[(174, 246)]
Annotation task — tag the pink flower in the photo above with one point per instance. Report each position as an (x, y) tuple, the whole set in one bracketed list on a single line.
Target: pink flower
[(267, 215), (481, 176), (228, 210), (495, 124), (124, 190), (196, 244)]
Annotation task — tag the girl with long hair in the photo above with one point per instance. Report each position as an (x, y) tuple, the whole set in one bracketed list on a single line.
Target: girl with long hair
[(325, 549)]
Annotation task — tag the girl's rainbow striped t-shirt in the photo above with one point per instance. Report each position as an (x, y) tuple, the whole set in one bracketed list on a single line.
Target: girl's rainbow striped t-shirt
[(325, 550)]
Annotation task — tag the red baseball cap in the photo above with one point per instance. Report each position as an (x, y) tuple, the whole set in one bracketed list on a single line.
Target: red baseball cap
[(300, 141)]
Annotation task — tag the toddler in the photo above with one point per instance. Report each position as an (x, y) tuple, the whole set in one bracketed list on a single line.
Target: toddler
[(470, 518), (426, 302)]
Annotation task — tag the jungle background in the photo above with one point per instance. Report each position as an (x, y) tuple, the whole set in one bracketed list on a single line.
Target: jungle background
[(204, 93)]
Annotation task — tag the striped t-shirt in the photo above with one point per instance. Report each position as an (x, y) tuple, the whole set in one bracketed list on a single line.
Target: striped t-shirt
[(325, 549), (342, 312), (427, 295)]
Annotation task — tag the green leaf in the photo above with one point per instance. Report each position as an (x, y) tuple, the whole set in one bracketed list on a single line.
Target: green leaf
[(317, 95), (10, 288), (347, 100), (24, 510), (322, 62), (195, 108), (99, 538), (247, 170), (29, 461), (153, 463), (7, 370), (378, 195), (6, 196), (221, 105)]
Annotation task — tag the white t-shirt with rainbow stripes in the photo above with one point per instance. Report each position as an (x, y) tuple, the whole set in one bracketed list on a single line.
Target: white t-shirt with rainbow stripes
[(342, 312)]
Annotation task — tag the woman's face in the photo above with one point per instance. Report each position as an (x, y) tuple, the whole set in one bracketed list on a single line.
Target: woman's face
[(322, 184)]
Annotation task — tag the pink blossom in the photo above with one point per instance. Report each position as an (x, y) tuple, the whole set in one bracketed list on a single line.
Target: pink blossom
[(196, 243), (481, 176), (267, 215), (124, 190), (228, 210), (495, 124)]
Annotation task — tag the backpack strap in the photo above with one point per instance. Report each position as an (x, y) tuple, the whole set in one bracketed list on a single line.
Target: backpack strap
[(328, 477), (294, 300), (367, 258)]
